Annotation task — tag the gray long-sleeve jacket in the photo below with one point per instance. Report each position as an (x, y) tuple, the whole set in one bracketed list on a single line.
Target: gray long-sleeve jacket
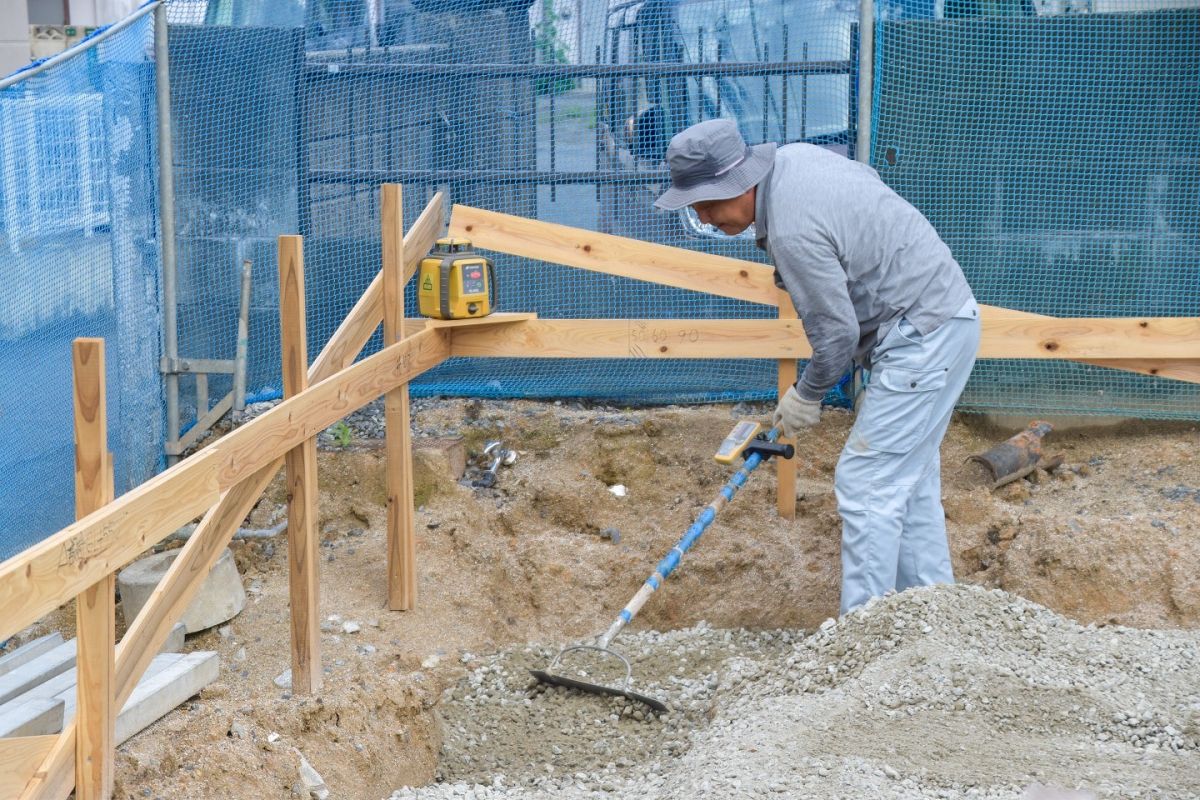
[(854, 256)]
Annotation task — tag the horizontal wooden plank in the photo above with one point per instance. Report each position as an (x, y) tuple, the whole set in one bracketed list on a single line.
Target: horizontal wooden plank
[(499, 318), (637, 338), (1177, 369), (615, 255), (1187, 370), (40, 579), (19, 759), (1005, 336)]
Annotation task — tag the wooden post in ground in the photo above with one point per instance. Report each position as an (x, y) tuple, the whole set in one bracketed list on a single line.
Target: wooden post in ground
[(785, 468), (301, 463), (95, 608), (401, 533)]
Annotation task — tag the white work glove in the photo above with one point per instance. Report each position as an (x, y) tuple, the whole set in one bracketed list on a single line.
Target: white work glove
[(795, 413)]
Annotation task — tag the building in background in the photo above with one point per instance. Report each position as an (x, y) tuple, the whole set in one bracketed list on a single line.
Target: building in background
[(14, 35)]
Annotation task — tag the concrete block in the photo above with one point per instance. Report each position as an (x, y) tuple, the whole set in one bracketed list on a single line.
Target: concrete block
[(29, 651), (38, 671), (45, 690), (221, 597), (159, 694), (47, 706), (174, 642), (39, 716), (69, 694)]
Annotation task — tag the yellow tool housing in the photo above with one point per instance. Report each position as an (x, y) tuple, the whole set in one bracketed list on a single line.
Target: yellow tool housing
[(455, 282), (742, 434)]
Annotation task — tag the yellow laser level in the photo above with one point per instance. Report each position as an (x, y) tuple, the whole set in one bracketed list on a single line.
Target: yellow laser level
[(455, 282), (747, 439), (741, 435)]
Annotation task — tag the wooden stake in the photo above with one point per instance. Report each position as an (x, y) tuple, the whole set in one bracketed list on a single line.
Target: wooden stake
[(95, 608), (401, 533), (785, 468), (301, 462)]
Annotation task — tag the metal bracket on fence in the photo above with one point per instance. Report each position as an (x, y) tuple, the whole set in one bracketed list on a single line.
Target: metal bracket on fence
[(201, 368)]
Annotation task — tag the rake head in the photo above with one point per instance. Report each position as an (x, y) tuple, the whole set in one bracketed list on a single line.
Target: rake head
[(549, 675)]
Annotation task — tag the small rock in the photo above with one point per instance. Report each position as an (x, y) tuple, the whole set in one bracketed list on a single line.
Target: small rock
[(312, 781), (284, 679), (350, 627), (619, 490), (238, 730)]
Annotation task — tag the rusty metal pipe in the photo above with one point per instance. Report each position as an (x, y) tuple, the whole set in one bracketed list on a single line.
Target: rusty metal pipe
[(1017, 457)]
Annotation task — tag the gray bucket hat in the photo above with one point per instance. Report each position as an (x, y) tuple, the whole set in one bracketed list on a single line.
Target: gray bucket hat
[(710, 161)]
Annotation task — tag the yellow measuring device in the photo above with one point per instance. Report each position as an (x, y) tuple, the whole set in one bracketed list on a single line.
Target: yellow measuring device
[(748, 438), (455, 282), (742, 434)]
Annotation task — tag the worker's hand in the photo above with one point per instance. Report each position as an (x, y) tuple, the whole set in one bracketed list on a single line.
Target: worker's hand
[(794, 413)]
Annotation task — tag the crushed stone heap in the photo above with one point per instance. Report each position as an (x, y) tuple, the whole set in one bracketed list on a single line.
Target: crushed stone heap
[(943, 692)]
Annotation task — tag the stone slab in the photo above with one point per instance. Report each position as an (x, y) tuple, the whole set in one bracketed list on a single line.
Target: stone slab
[(29, 651), (37, 671), (38, 716)]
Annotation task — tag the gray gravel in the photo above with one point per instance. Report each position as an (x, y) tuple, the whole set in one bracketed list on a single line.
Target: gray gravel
[(947, 692)]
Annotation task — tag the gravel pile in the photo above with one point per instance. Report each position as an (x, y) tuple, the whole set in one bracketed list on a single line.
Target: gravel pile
[(945, 692)]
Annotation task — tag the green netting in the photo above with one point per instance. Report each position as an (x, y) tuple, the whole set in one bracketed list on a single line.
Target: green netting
[(1055, 149)]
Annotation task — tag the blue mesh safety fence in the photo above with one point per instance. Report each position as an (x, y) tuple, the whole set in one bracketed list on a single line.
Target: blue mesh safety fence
[(79, 256), (1052, 143), (559, 111)]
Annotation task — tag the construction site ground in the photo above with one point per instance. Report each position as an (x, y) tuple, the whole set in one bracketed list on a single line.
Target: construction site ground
[(951, 692)]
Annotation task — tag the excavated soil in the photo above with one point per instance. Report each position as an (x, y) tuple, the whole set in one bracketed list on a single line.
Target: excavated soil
[(1110, 540)]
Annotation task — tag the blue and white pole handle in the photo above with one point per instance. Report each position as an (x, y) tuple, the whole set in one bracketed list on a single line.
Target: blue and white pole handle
[(693, 534)]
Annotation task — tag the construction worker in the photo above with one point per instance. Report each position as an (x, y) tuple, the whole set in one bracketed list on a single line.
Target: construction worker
[(873, 283)]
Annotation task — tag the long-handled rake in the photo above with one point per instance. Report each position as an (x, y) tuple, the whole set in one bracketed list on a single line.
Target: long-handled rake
[(746, 441)]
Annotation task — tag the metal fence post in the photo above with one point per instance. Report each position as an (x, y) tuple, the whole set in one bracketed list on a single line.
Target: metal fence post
[(866, 79), (166, 194), (862, 141)]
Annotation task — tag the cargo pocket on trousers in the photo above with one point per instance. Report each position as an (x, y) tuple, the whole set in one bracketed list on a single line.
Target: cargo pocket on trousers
[(899, 412)]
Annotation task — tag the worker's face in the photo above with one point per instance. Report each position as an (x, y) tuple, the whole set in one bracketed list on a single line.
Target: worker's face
[(730, 216)]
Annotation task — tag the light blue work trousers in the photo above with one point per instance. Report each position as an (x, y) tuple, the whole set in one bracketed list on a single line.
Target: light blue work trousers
[(888, 479)]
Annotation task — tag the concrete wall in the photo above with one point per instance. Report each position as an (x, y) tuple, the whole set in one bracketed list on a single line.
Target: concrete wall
[(14, 35), (100, 12), (44, 12)]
